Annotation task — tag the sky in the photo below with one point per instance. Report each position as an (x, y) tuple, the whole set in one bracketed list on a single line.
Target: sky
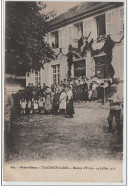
[(60, 7)]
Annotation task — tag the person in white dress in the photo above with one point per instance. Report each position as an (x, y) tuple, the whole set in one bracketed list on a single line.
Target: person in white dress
[(36, 106), (23, 104), (62, 102), (41, 104)]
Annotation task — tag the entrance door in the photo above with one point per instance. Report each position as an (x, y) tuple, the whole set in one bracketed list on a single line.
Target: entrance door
[(80, 68), (100, 66)]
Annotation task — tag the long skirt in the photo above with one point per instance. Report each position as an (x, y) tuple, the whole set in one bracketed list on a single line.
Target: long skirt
[(70, 108), (94, 94), (48, 105)]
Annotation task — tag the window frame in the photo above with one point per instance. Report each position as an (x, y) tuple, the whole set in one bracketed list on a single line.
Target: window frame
[(37, 78), (75, 36), (56, 74), (57, 38), (98, 16)]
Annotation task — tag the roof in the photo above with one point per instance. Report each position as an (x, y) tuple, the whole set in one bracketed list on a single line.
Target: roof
[(83, 8)]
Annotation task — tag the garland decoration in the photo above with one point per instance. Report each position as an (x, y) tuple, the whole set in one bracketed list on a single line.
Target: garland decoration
[(84, 46)]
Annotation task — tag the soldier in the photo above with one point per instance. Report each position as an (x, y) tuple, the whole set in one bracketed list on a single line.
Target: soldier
[(115, 108)]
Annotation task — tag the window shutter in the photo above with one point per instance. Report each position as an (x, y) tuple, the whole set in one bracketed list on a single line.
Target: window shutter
[(60, 38), (87, 27), (47, 38), (70, 34), (50, 39), (109, 18), (65, 36), (121, 19)]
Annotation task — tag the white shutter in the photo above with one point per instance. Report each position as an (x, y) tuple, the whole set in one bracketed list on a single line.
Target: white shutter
[(47, 38), (109, 25), (87, 28), (50, 38), (65, 37), (121, 19), (70, 35), (60, 38)]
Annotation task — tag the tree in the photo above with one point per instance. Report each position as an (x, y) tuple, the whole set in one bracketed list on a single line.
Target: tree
[(25, 31)]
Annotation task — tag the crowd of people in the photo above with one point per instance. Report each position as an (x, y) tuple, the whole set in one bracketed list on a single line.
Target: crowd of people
[(59, 98), (47, 100)]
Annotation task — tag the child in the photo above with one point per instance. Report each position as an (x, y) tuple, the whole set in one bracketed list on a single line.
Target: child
[(23, 105), (36, 106), (41, 104)]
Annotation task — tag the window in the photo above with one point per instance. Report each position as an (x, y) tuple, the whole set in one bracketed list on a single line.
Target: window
[(100, 65), (56, 74), (87, 27), (55, 40), (37, 77), (122, 19), (79, 68), (109, 25), (78, 33), (101, 28), (78, 30)]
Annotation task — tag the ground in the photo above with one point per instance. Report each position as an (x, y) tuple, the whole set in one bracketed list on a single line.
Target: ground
[(51, 137)]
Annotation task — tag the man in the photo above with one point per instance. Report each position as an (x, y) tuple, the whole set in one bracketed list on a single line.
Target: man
[(115, 108), (8, 111)]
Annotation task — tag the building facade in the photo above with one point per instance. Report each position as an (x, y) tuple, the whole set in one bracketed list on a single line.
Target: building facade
[(88, 19)]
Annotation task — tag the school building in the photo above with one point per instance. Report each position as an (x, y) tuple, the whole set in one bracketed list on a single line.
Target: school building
[(98, 19)]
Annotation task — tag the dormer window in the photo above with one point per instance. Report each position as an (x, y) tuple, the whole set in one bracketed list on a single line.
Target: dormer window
[(78, 30), (78, 33), (101, 27), (55, 40)]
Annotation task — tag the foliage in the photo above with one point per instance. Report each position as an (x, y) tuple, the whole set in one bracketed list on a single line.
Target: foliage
[(25, 30)]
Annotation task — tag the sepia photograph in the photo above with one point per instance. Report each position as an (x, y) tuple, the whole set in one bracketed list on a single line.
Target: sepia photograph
[(64, 103)]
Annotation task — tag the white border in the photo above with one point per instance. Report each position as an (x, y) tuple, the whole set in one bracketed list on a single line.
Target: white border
[(125, 110)]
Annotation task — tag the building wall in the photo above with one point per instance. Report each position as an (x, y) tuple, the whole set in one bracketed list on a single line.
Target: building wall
[(66, 34)]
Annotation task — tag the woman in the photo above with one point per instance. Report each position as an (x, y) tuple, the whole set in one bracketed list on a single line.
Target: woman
[(41, 104), (48, 104), (56, 98), (94, 91), (69, 106)]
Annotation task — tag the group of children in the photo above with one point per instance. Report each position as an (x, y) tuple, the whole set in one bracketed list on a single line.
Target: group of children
[(49, 102), (32, 105)]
